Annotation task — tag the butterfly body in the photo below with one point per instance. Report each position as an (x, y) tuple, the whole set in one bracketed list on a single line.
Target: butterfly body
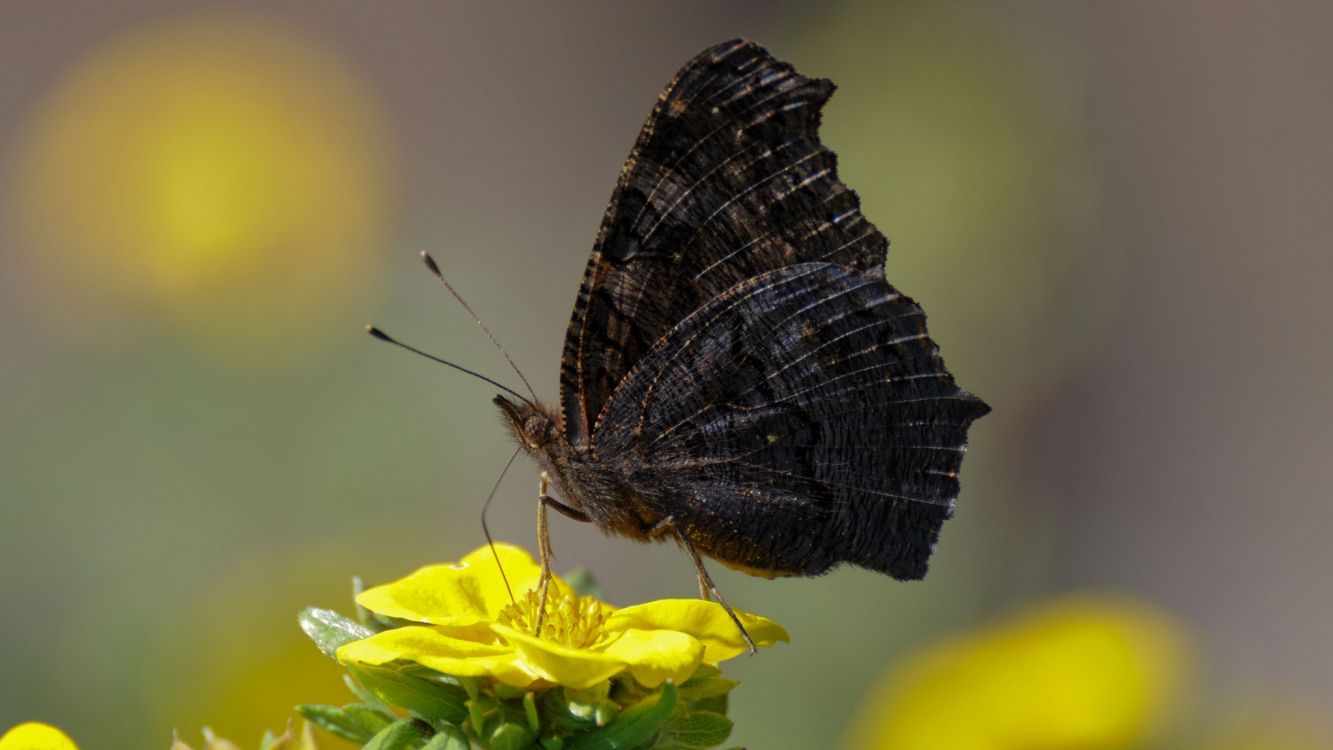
[(737, 370), (631, 498)]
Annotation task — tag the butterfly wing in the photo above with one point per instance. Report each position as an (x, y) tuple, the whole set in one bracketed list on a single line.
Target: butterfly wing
[(801, 419), (727, 180)]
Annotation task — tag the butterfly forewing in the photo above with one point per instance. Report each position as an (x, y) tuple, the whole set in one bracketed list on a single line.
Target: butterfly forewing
[(801, 419), (727, 180)]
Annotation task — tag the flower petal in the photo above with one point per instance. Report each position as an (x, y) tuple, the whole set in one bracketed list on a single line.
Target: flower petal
[(36, 736), (657, 655), (520, 570), (438, 594), (707, 621), (459, 594), (562, 665), (436, 649)]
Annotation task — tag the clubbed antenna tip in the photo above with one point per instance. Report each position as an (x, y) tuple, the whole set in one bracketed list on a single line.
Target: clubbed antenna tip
[(431, 264)]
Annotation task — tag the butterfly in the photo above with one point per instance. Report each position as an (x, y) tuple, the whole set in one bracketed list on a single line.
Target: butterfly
[(738, 375)]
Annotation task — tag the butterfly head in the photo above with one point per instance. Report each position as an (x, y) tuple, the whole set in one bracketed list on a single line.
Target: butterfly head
[(534, 425)]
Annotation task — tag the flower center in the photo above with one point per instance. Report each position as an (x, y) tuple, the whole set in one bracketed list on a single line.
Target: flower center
[(571, 620)]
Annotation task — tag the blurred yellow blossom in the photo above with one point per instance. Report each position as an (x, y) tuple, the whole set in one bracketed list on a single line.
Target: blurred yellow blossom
[(1091, 673), (470, 627), (217, 171), (36, 736)]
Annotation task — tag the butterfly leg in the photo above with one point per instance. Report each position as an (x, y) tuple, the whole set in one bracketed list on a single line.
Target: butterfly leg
[(668, 525), (545, 500), (543, 551)]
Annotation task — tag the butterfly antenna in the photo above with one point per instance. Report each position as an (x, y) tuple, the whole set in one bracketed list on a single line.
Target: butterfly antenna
[(435, 269), (382, 336), (486, 529)]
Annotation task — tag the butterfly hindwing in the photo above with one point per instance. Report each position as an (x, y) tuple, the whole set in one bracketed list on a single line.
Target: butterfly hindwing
[(800, 419), (727, 180)]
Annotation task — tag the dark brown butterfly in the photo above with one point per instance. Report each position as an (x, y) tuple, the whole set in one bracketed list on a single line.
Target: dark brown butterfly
[(738, 375)]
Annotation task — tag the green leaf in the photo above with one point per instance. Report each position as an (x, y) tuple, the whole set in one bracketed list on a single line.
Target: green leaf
[(425, 698), (370, 718), (449, 738), (330, 630), (700, 729), (334, 721), (509, 735), (364, 695), (635, 726), (404, 734)]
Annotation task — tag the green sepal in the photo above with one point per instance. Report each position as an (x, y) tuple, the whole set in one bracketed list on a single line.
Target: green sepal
[(510, 735), (626, 691), (704, 671), (699, 729), (706, 682), (635, 726), (404, 734), (471, 685), (582, 710), (552, 742), (606, 711), (330, 630), (530, 711), (717, 704), (508, 692), (448, 738), (560, 712), (425, 698), (477, 710), (334, 720)]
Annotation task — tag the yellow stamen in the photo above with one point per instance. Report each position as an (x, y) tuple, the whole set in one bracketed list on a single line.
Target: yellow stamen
[(570, 620)]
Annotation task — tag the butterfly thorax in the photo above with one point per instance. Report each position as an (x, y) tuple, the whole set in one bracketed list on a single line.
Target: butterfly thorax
[(582, 482)]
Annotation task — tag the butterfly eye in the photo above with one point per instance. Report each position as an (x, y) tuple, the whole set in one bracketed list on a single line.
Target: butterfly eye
[(537, 427)]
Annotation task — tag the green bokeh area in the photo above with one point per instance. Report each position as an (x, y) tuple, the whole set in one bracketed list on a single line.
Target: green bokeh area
[(1051, 177)]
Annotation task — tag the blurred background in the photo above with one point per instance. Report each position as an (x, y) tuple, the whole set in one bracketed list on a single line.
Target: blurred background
[(1116, 214)]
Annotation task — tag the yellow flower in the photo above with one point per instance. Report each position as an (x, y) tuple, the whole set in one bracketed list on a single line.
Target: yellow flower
[(36, 736), (470, 627), (1088, 673)]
